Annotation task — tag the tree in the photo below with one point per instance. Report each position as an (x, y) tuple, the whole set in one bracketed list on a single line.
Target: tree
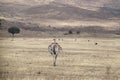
[(14, 30)]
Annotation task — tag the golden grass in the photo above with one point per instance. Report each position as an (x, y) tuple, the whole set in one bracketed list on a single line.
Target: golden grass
[(28, 59)]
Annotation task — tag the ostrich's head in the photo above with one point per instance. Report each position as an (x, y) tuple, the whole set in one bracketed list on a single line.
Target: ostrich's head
[(54, 40)]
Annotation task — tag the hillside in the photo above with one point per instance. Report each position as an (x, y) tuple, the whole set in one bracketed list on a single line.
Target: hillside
[(37, 15), (60, 9), (34, 30)]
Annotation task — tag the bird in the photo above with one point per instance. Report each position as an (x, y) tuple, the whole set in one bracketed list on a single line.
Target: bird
[(54, 49)]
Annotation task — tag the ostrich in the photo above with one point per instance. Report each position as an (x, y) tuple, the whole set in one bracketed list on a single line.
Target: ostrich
[(54, 49)]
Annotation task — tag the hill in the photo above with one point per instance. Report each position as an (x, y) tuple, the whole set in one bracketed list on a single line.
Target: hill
[(37, 15)]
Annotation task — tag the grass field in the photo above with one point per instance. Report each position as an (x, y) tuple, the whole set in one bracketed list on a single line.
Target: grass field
[(29, 59)]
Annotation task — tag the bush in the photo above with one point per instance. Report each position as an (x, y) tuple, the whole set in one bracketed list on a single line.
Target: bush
[(77, 32), (70, 32), (0, 22)]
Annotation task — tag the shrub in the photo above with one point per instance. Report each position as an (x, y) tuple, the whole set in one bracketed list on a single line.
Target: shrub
[(70, 32)]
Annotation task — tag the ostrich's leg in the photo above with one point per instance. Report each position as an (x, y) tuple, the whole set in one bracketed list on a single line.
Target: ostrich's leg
[(54, 59)]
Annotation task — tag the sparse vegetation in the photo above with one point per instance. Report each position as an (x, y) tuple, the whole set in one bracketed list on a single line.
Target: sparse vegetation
[(0, 22), (118, 32), (70, 32), (77, 32), (65, 33)]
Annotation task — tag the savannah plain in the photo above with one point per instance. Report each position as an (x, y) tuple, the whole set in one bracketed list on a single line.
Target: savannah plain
[(81, 59), (87, 30)]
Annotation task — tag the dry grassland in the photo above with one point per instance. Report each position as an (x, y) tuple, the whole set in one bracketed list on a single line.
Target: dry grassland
[(28, 59)]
